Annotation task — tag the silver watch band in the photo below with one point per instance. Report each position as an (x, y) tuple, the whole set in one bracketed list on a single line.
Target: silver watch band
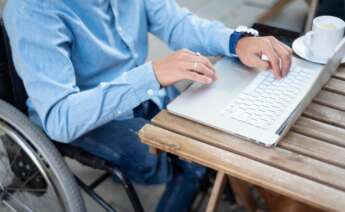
[(247, 31)]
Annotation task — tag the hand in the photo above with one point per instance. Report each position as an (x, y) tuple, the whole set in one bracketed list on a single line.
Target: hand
[(251, 49), (184, 65)]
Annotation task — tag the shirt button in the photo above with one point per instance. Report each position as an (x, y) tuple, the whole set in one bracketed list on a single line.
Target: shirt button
[(119, 112), (150, 92), (119, 29)]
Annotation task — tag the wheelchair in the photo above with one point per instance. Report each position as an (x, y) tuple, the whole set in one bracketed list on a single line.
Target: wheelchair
[(33, 173)]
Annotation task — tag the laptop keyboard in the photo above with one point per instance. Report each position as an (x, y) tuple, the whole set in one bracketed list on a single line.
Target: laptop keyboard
[(265, 99)]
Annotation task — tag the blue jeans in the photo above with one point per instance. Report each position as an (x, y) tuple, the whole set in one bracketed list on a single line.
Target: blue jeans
[(118, 143)]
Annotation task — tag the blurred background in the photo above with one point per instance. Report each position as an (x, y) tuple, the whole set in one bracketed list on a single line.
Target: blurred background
[(232, 13), (239, 12)]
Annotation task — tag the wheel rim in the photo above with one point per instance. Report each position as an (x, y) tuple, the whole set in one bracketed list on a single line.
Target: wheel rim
[(25, 179)]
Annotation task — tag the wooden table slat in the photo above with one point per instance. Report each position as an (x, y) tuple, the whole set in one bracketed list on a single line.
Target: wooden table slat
[(320, 130), (252, 171), (326, 114), (314, 148), (340, 73), (282, 158), (331, 99), (335, 85)]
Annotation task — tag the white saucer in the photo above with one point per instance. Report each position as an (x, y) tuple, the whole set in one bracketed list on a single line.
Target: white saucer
[(301, 50)]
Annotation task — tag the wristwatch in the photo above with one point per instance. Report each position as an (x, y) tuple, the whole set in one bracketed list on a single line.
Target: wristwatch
[(240, 32)]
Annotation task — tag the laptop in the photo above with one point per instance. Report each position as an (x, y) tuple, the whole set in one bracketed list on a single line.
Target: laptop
[(252, 104)]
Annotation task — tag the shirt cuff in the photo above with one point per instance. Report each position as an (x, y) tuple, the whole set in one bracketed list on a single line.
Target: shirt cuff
[(144, 82), (220, 40)]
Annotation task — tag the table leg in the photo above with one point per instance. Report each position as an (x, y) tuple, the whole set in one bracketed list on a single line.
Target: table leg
[(279, 203), (243, 193), (217, 191)]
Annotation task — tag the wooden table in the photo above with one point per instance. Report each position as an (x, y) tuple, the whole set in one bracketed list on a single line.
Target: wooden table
[(308, 165)]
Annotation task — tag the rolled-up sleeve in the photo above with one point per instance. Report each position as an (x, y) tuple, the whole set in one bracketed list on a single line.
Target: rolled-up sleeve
[(41, 48), (179, 28)]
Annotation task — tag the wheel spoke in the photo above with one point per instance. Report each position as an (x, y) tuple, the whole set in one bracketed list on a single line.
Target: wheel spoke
[(9, 206), (2, 161), (7, 170), (11, 165), (32, 190), (39, 203), (22, 204), (29, 179)]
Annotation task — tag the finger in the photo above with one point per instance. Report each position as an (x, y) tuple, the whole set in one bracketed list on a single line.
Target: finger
[(255, 61), (273, 59), (286, 47), (202, 59), (284, 55), (284, 58), (196, 77), (193, 57), (200, 68), (187, 51)]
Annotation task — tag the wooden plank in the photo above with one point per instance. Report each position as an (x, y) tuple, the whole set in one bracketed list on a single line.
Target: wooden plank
[(217, 191), (315, 148), (340, 74), (243, 193), (331, 99), (335, 85), (278, 157), (252, 171), (325, 114), (320, 130), (280, 203)]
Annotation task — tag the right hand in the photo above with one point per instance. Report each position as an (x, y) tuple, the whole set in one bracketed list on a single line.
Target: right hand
[(251, 49), (180, 66)]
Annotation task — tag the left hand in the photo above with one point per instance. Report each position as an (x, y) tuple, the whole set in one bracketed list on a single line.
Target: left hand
[(251, 49)]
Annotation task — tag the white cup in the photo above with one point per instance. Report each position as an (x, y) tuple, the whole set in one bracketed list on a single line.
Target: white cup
[(326, 34)]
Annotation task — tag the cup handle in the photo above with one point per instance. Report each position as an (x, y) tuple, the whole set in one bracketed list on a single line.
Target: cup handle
[(307, 39)]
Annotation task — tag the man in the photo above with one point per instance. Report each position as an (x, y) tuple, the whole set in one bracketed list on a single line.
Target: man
[(83, 67)]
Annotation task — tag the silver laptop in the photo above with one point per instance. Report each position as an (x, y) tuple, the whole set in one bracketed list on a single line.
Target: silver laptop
[(252, 104)]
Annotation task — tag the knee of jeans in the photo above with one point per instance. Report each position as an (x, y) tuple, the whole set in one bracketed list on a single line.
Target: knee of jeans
[(192, 169), (153, 170)]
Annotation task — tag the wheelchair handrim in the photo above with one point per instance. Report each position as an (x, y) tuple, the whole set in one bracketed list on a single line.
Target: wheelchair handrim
[(40, 165)]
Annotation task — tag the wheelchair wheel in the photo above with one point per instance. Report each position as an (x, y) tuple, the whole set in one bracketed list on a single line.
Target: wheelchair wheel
[(33, 175)]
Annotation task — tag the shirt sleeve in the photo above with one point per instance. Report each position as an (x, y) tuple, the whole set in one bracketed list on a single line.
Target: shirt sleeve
[(179, 28), (41, 48)]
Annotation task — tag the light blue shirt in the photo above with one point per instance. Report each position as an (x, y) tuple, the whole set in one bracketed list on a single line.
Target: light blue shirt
[(83, 61)]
